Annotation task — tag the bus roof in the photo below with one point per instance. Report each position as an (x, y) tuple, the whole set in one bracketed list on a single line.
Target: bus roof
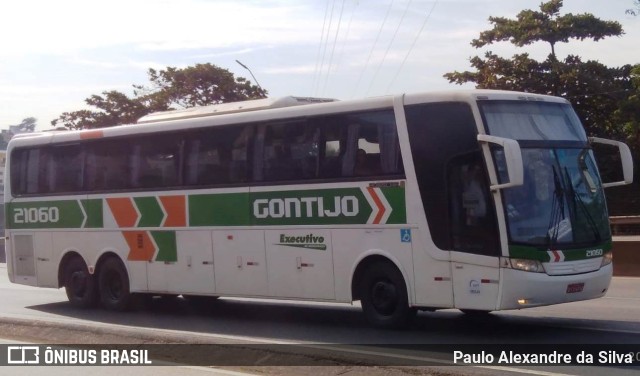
[(264, 110), (231, 107)]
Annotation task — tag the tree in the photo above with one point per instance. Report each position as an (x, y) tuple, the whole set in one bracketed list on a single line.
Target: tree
[(628, 113), (114, 107), (594, 89), (196, 86), (169, 89), (547, 26), (26, 125), (625, 200)]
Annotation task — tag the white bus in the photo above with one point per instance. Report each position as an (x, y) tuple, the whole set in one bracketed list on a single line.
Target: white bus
[(476, 200)]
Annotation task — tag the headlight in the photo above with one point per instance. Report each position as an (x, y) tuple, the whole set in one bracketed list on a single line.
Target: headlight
[(607, 259), (534, 266)]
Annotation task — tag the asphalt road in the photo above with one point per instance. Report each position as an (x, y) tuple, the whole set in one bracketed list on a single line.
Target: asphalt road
[(614, 319)]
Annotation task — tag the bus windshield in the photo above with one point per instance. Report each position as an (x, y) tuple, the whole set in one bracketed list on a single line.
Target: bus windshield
[(561, 202)]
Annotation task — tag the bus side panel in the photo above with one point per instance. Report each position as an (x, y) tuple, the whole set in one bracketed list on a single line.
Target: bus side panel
[(240, 262), (434, 285), (190, 269), (30, 255), (300, 263), (46, 264), (477, 281), (353, 245)]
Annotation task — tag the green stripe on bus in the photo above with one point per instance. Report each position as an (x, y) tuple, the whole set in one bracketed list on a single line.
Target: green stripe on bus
[(44, 214), (151, 214), (167, 246), (93, 209), (396, 198), (540, 253), (224, 209), (338, 206)]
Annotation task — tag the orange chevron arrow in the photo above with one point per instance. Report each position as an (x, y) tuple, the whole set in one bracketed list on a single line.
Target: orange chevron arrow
[(175, 207), (123, 211), (381, 208), (141, 248)]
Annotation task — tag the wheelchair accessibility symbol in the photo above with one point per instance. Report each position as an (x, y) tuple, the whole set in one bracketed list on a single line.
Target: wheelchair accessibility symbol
[(405, 235)]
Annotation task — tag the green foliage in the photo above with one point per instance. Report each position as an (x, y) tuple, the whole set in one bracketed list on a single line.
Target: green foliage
[(197, 86), (547, 26), (171, 88), (115, 108), (594, 89), (628, 112), (27, 125)]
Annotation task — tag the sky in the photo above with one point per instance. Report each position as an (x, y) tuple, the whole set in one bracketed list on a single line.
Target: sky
[(54, 54)]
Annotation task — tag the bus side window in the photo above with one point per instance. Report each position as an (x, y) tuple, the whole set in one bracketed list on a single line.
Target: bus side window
[(213, 164), (327, 147), (19, 164), (157, 164), (240, 140), (304, 152), (330, 163), (372, 145), (367, 162), (28, 171), (106, 165), (65, 172), (216, 156), (286, 151)]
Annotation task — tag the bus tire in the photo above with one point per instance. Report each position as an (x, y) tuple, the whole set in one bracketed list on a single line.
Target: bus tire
[(79, 285), (384, 297), (113, 284)]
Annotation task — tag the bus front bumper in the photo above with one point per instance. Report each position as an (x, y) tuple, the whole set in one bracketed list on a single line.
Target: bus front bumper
[(522, 289)]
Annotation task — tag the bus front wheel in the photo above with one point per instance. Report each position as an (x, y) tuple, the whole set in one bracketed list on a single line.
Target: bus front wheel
[(384, 298), (113, 283), (79, 285)]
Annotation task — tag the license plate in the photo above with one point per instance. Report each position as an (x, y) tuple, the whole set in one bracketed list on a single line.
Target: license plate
[(575, 287)]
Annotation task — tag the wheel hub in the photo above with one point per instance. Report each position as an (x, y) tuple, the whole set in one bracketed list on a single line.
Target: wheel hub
[(384, 297), (79, 283)]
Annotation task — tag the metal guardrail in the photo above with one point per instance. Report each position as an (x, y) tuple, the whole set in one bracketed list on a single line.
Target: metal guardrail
[(619, 222)]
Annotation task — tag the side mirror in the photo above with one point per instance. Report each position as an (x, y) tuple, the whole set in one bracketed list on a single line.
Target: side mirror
[(625, 158), (513, 160)]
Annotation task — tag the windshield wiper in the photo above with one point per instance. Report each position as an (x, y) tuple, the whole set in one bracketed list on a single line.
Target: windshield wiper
[(577, 199), (557, 210)]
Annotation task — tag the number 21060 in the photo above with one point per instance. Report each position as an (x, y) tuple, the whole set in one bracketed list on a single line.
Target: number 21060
[(36, 215)]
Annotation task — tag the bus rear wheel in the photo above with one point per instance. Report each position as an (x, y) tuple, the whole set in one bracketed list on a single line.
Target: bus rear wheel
[(113, 284), (79, 285), (384, 297)]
